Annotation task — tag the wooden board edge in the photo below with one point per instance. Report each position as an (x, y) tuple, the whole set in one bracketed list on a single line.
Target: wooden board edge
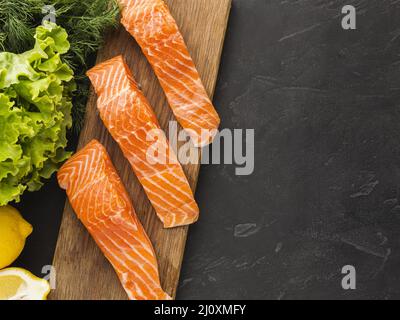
[(187, 228)]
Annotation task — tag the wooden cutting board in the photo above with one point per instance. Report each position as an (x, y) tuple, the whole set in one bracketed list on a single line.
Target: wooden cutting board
[(82, 272)]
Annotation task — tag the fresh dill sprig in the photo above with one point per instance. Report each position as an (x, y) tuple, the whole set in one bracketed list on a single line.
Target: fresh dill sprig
[(17, 23), (85, 22)]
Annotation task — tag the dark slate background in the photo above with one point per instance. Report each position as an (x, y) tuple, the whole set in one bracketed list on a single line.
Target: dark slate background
[(325, 104)]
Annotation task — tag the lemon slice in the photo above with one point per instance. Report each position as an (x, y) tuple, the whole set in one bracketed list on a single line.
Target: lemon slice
[(20, 284)]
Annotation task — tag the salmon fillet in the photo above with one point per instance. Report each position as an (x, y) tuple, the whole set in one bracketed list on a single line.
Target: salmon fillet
[(101, 202), (129, 118), (152, 25)]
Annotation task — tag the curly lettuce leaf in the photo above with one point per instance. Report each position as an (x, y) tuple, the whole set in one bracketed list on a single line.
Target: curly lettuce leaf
[(35, 113)]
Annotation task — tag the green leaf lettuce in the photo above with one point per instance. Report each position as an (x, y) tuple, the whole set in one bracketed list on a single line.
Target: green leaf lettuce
[(35, 113)]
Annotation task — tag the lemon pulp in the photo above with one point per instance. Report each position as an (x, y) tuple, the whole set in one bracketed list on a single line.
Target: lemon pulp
[(9, 286), (20, 284)]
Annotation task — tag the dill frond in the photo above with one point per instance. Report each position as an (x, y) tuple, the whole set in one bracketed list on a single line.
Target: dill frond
[(16, 23)]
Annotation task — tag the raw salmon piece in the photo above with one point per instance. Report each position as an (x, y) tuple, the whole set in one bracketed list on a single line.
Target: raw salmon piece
[(128, 116), (102, 204), (152, 25)]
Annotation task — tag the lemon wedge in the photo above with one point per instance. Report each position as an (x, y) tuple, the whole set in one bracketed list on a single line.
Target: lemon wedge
[(20, 284)]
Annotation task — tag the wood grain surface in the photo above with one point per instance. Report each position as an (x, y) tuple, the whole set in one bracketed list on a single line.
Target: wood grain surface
[(82, 271)]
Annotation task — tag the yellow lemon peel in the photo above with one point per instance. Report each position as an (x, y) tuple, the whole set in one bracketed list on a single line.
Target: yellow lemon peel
[(13, 233)]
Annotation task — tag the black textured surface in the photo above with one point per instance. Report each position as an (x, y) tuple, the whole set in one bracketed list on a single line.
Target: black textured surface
[(325, 191), (325, 106)]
